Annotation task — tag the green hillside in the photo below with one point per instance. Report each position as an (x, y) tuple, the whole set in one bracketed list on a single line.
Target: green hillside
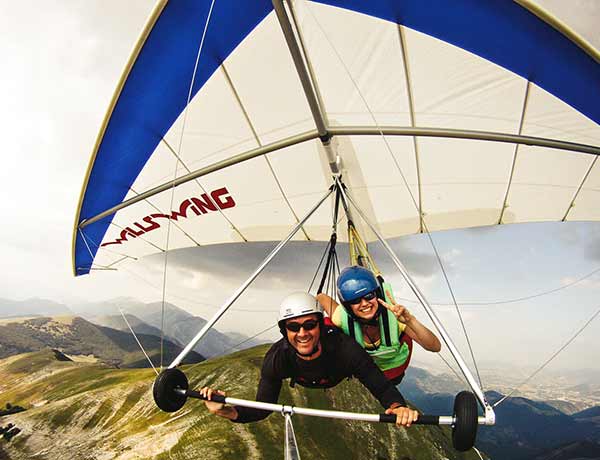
[(82, 411)]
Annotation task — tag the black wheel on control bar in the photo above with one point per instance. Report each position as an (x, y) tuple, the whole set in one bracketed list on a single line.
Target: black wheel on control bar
[(165, 396), (464, 430)]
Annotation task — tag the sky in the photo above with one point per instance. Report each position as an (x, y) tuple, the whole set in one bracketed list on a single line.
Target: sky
[(62, 60)]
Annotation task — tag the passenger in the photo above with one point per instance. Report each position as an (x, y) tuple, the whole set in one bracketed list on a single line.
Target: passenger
[(385, 330), (314, 356)]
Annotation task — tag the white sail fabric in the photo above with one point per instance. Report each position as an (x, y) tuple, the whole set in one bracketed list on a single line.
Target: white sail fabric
[(368, 72)]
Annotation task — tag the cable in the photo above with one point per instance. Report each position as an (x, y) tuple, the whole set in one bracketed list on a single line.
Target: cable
[(514, 300), (587, 323), (177, 156), (239, 344), (138, 342)]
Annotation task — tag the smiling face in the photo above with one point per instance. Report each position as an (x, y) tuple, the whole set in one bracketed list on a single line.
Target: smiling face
[(365, 309), (304, 341)]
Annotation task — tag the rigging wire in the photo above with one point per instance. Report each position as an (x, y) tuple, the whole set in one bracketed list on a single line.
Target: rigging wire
[(507, 301), (319, 266), (125, 318), (137, 340), (460, 377), (188, 299), (237, 345), (389, 149), (86, 244), (554, 355), (177, 156), (464, 328), (529, 297)]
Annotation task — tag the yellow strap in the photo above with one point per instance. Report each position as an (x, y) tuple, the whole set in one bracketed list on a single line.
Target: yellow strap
[(358, 249)]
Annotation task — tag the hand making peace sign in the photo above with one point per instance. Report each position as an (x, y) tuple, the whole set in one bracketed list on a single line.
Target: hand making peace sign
[(399, 311)]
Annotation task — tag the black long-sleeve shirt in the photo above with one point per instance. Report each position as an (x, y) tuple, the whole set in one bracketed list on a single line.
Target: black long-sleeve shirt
[(341, 357)]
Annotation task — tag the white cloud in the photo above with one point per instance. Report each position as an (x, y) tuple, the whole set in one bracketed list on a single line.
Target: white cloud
[(587, 283)]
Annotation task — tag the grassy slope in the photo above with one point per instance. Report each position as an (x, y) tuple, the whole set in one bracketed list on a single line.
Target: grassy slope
[(93, 412)]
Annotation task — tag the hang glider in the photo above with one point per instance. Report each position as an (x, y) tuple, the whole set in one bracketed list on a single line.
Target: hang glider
[(489, 114), (234, 122)]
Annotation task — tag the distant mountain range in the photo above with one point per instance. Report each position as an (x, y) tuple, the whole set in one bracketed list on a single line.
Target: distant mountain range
[(75, 336), (32, 307), (524, 430), (138, 326), (179, 326)]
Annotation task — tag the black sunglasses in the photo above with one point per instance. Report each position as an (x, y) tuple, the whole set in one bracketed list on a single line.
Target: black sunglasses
[(308, 325), (370, 296)]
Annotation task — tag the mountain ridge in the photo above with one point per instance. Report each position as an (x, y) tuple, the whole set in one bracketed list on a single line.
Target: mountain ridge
[(74, 335), (179, 326)]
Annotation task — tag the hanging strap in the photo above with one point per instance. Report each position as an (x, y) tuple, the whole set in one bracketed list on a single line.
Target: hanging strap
[(331, 263), (331, 256), (359, 253)]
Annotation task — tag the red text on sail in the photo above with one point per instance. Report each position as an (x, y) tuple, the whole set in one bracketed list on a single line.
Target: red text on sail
[(218, 199)]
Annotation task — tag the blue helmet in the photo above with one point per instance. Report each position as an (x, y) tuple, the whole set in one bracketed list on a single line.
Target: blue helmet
[(355, 282)]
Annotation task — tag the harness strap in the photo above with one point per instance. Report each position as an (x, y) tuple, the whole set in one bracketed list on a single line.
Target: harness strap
[(385, 322), (330, 258), (388, 328), (351, 327)]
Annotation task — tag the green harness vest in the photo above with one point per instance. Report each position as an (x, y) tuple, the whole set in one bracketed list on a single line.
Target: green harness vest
[(391, 353)]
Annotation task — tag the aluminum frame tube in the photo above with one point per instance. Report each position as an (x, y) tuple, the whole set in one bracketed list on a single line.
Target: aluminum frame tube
[(293, 410), (244, 156), (247, 283), (290, 38), (438, 324), (307, 84), (463, 134), (290, 444)]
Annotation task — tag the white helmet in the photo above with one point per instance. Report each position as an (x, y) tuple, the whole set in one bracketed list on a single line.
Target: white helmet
[(298, 304)]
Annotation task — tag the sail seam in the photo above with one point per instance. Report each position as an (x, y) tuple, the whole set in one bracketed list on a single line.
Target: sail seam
[(515, 153), (585, 177), (412, 114), (258, 142), (196, 180)]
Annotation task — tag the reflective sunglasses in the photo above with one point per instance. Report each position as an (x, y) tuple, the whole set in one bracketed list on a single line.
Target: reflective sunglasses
[(308, 325), (368, 297)]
